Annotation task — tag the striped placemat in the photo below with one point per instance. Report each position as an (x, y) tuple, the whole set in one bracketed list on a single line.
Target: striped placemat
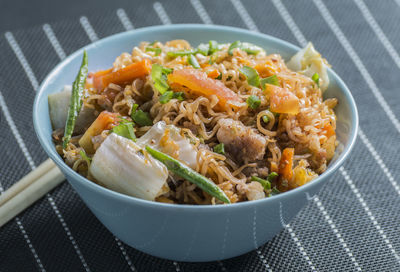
[(353, 224)]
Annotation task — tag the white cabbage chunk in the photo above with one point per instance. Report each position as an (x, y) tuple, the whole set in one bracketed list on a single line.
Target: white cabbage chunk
[(120, 165), (309, 61), (58, 111), (169, 139)]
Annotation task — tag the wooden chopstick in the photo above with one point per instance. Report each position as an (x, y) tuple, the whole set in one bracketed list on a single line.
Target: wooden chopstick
[(29, 189), (45, 167)]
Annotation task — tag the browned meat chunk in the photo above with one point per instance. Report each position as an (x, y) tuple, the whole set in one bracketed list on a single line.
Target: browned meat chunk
[(240, 141)]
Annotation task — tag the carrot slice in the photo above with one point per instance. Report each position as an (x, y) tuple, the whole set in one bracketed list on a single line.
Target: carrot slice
[(198, 82), (286, 163), (282, 100), (105, 120), (328, 130), (212, 72), (101, 79)]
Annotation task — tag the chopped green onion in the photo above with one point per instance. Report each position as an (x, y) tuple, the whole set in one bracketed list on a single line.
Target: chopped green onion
[(219, 148), (275, 191), (272, 176), (180, 53), (179, 95), (253, 101), (166, 70), (125, 129), (166, 97), (265, 183), (159, 78), (315, 78), (193, 61), (273, 80), (234, 45), (203, 49), (84, 156), (250, 48), (219, 77), (212, 59), (251, 74), (265, 119), (157, 51), (140, 117), (212, 47), (189, 174)]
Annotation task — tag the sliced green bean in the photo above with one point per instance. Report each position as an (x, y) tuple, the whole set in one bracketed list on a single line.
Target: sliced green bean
[(76, 100), (187, 173)]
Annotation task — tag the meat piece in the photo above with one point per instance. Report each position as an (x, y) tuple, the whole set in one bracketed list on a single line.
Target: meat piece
[(240, 141), (254, 191)]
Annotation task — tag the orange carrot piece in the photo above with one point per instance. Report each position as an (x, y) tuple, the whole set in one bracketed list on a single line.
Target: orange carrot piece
[(286, 163), (101, 79), (265, 69), (282, 100), (198, 82), (105, 120), (212, 73), (328, 130)]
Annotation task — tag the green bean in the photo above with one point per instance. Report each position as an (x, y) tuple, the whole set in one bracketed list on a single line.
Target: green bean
[(187, 173), (265, 183), (76, 100), (193, 61)]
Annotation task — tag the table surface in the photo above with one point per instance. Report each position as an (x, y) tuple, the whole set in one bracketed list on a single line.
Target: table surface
[(352, 225)]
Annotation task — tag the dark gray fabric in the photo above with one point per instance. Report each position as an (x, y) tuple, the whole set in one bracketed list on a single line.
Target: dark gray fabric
[(321, 238)]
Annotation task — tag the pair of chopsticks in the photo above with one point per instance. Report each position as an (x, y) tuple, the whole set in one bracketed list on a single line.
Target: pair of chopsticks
[(29, 189)]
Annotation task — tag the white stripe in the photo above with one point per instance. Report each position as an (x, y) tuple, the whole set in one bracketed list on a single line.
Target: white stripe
[(356, 59), (337, 233), (300, 246), (223, 268), (177, 268), (126, 256), (24, 234), (244, 15), (54, 42), (263, 260), (302, 40), (88, 29), (120, 245), (369, 213), (378, 31), (378, 159), (198, 7), (14, 130), (22, 60), (123, 17), (32, 164), (290, 22), (161, 13)]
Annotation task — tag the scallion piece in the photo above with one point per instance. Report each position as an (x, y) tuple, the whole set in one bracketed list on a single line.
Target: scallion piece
[(193, 61), (158, 75), (203, 49), (250, 49), (272, 176), (189, 174), (166, 97), (251, 74), (234, 45), (273, 80), (253, 101), (265, 183), (179, 95), (174, 54), (140, 117), (85, 156), (212, 47), (157, 51), (219, 148), (265, 119), (275, 191), (315, 78), (125, 129)]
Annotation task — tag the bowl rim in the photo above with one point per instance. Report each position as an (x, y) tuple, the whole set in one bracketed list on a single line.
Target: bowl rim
[(176, 27)]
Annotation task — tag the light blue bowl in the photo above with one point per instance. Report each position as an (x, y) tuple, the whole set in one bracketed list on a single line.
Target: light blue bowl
[(186, 232)]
